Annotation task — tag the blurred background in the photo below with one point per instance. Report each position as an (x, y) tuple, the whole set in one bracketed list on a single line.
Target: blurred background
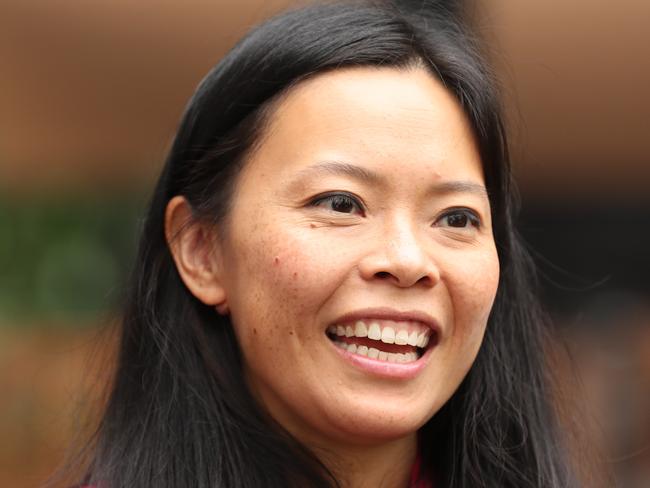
[(90, 95)]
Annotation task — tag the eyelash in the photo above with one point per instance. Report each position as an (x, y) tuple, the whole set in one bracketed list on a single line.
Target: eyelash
[(472, 218), (342, 197)]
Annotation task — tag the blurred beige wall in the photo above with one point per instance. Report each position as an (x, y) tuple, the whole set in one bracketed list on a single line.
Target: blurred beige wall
[(92, 91), (576, 75)]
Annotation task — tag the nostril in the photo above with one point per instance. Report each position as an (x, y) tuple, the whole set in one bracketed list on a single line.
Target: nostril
[(404, 281), (426, 280)]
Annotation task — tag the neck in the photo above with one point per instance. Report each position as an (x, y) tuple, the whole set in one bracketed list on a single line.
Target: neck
[(373, 466)]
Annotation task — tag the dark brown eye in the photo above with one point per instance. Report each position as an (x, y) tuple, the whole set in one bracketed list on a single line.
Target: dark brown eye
[(339, 202), (342, 203), (460, 219), (457, 220)]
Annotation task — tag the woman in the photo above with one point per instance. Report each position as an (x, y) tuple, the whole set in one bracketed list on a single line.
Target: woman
[(329, 289)]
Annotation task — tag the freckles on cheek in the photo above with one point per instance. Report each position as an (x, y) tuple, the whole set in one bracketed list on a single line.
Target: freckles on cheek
[(279, 272), (298, 257), (286, 272)]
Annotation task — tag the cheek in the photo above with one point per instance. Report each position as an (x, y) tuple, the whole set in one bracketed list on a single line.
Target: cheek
[(282, 277), (472, 290)]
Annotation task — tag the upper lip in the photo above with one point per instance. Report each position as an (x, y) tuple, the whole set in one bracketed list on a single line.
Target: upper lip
[(383, 313)]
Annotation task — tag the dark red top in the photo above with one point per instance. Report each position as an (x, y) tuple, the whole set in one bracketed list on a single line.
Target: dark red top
[(419, 477)]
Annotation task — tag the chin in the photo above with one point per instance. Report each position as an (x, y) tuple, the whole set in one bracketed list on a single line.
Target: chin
[(367, 426)]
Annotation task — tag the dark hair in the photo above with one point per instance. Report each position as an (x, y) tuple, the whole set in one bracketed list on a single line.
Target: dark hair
[(179, 413)]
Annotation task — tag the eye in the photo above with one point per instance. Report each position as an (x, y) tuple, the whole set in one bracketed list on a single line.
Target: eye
[(459, 218), (339, 202)]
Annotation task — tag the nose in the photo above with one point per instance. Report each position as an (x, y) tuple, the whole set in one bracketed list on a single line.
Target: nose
[(401, 257)]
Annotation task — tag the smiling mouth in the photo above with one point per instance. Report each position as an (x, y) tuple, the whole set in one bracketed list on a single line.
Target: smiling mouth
[(383, 340)]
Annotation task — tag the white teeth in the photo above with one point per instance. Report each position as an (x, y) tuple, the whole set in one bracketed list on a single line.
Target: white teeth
[(374, 332), (388, 335), (360, 329), (374, 353), (401, 338)]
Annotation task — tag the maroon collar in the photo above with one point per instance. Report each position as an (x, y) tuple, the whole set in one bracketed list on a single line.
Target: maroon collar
[(420, 478)]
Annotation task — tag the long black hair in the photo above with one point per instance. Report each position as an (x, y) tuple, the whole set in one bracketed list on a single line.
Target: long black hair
[(179, 413)]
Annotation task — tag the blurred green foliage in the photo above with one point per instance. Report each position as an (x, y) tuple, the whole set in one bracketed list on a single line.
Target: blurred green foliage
[(64, 259)]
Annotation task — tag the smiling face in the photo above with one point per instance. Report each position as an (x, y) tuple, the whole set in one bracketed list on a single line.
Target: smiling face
[(359, 265)]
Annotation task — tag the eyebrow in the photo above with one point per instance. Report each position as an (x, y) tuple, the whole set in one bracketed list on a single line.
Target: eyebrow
[(461, 187), (367, 175), (340, 168)]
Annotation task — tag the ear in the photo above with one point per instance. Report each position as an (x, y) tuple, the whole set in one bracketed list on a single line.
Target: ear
[(193, 246)]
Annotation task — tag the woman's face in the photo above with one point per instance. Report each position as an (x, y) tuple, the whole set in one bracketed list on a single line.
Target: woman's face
[(359, 230)]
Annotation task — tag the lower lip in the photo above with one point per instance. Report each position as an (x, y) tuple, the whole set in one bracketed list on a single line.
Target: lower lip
[(385, 369)]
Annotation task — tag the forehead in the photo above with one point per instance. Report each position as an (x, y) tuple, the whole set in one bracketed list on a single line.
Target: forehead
[(387, 118)]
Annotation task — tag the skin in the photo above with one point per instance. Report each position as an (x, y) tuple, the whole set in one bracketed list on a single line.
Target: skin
[(290, 262)]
